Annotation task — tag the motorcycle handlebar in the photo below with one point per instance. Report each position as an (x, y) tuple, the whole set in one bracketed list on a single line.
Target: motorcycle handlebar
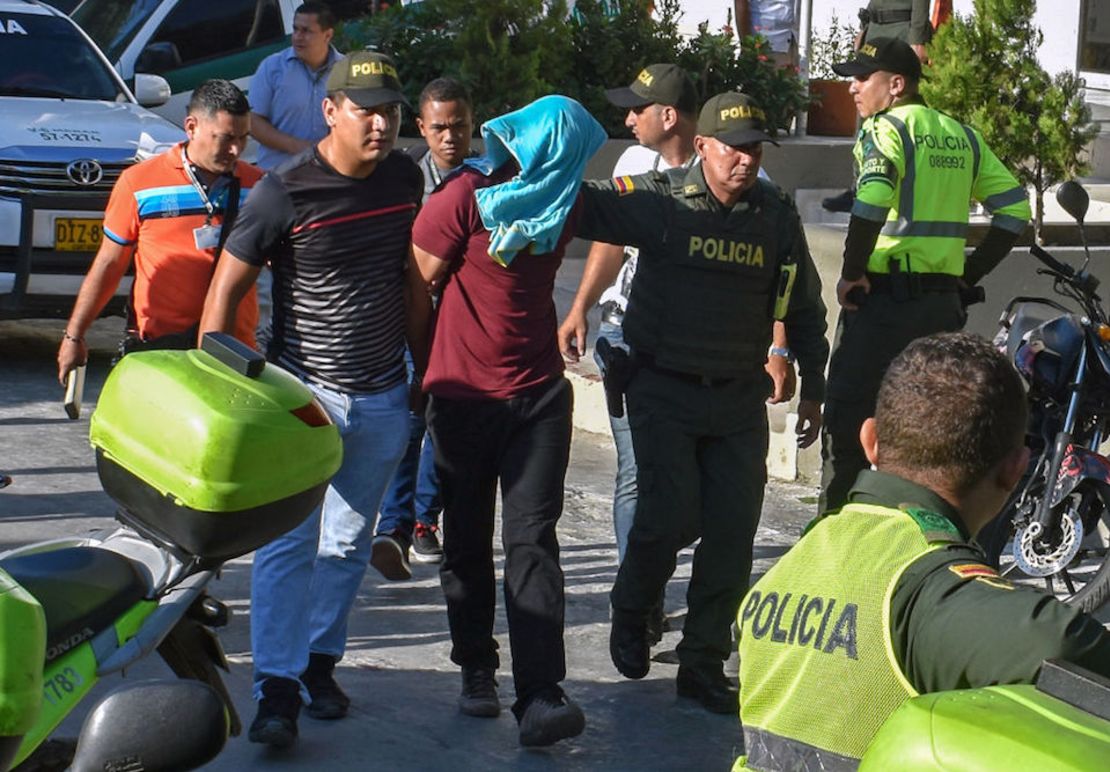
[(1054, 264)]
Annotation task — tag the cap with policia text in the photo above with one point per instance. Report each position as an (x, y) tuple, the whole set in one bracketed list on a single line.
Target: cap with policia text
[(368, 78), (735, 119), (882, 54), (664, 84)]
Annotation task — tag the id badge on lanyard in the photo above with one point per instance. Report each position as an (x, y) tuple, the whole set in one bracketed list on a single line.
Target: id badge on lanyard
[(207, 236)]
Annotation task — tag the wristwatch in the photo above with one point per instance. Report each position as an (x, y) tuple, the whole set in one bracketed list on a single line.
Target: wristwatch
[(779, 351)]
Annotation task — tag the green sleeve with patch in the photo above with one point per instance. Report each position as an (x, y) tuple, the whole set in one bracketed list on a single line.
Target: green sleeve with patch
[(625, 210), (880, 158), (955, 625)]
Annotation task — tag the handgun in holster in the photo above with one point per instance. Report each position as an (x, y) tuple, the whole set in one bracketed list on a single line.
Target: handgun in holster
[(617, 369)]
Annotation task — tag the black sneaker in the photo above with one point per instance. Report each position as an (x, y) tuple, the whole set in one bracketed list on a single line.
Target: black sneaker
[(389, 553), (425, 544), (710, 687), (328, 700), (479, 693), (550, 716), (841, 202), (276, 721)]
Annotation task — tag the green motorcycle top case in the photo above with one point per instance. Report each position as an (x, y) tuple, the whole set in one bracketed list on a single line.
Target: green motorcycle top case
[(22, 651), (987, 729), (208, 460)]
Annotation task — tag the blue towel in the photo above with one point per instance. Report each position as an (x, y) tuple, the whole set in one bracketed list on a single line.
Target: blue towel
[(551, 140)]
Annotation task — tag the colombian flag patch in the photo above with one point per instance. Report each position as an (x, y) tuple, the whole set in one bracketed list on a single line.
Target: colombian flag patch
[(624, 185), (972, 570)]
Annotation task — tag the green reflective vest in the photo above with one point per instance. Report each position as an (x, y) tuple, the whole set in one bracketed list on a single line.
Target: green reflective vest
[(919, 171), (818, 671)]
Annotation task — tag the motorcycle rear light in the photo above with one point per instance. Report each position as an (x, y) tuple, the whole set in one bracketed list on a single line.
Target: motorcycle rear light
[(1103, 332), (312, 414)]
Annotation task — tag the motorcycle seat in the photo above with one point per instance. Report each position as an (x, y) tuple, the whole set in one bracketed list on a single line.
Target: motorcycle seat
[(82, 591), (1028, 316)]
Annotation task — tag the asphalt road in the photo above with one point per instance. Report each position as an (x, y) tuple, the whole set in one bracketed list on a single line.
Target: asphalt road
[(397, 670)]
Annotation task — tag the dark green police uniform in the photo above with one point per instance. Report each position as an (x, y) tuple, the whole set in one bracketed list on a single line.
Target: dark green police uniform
[(906, 20), (699, 325), (849, 624)]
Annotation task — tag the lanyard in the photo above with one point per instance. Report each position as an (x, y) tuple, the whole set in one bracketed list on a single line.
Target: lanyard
[(209, 204)]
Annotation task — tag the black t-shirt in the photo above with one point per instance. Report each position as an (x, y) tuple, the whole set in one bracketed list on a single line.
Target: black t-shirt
[(338, 247)]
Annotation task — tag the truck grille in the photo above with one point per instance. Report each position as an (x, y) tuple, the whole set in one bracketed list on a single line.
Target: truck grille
[(51, 177)]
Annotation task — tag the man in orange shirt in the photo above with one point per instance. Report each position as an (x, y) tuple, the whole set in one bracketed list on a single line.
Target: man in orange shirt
[(168, 213)]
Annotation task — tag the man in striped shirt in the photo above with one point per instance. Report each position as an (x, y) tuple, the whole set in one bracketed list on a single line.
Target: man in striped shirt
[(334, 223)]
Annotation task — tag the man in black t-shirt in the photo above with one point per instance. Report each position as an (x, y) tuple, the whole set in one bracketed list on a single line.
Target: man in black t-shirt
[(334, 222)]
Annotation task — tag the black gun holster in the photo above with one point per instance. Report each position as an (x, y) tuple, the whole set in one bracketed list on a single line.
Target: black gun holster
[(617, 370)]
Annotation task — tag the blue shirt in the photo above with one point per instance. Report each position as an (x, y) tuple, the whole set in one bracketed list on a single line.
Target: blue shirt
[(289, 95)]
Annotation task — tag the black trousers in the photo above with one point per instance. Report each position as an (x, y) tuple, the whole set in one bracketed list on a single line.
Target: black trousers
[(866, 342), (701, 469), (524, 444)]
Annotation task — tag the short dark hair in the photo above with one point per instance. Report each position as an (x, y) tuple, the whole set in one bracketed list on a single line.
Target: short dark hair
[(443, 90), (218, 95), (325, 17), (950, 408)]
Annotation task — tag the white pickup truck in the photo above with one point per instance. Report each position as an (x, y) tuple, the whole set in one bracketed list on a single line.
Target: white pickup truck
[(70, 127)]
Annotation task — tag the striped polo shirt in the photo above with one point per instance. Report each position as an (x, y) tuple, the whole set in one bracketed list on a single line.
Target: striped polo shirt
[(155, 207), (338, 247)]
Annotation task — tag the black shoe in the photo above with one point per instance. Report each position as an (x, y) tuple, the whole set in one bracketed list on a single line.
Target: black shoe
[(328, 700), (479, 693), (657, 625), (841, 202), (548, 717), (425, 544), (709, 687), (389, 553), (629, 648), (276, 721)]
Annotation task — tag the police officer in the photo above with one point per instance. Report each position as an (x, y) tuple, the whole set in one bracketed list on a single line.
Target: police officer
[(716, 244), (904, 263), (887, 598), (906, 20)]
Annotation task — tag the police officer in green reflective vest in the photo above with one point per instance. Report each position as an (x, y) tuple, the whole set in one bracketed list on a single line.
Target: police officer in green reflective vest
[(887, 597), (904, 264), (722, 256)]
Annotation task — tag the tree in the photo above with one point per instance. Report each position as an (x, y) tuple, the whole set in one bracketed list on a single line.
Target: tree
[(985, 72)]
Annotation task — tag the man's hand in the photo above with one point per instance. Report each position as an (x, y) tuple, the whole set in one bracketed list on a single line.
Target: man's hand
[(809, 422), (843, 287), (784, 379), (919, 49), (572, 335), (71, 355)]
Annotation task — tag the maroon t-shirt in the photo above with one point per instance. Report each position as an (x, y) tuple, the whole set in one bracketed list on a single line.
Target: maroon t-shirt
[(495, 336)]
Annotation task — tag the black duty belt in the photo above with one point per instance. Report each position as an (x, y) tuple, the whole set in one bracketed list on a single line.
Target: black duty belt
[(611, 312), (923, 282), (647, 361), (891, 15)]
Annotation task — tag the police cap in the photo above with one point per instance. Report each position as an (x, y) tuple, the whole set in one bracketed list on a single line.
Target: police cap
[(735, 119), (663, 84), (367, 78), (885, 54)]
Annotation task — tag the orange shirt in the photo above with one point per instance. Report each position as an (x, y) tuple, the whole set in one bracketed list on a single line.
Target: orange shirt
[(155, 206)]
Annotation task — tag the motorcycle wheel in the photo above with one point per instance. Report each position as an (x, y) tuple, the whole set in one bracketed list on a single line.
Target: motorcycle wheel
[(1084, 581)]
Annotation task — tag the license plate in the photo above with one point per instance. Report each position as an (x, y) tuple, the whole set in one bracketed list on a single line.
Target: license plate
[(74, 234)]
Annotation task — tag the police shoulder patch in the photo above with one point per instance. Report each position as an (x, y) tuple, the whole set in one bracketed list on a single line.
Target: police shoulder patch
[(624, 185), (972, 570), (934, 527)]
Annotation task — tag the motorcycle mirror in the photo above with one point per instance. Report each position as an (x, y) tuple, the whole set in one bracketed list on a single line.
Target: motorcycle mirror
[(153, 725), (1073, 198)]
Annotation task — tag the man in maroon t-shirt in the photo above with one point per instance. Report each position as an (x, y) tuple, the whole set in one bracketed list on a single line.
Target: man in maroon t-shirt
[(500, 410)]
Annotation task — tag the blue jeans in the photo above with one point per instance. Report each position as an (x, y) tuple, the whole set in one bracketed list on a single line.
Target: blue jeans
[(413, 493), (305, 581), (624, 491)]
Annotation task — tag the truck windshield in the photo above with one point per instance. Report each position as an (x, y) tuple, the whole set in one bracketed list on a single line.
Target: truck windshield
[(113, 23), (46, 56)]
